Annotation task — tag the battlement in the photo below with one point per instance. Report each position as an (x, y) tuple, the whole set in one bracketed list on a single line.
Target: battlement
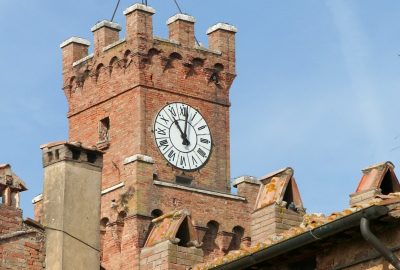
[(140, 54), (139, 35)]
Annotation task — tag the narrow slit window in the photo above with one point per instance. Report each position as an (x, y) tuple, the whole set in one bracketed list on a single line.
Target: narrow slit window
[(104, 130)]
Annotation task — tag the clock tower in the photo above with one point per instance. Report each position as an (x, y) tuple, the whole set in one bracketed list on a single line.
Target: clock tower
[(159, 110)]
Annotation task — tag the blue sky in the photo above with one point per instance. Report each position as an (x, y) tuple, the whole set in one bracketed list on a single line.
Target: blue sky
[(317, 87)]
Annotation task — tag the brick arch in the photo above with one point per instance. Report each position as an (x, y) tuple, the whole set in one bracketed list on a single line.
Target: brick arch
[(238, 233), (210, 237)]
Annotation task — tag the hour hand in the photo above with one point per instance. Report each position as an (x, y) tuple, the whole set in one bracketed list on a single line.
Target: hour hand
[(183, 135)]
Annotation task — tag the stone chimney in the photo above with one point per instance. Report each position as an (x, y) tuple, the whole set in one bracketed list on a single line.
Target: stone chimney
[(278, 207), (71, 206), (378, 179)]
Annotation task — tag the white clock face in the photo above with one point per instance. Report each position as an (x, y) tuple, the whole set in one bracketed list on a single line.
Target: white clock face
[(183, 136)]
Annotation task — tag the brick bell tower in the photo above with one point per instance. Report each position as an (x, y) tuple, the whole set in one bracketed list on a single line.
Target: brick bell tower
[(159, 109)]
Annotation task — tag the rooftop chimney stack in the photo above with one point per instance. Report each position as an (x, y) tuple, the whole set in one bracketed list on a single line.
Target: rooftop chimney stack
[(105, 33), (71, 206), (181, 29)]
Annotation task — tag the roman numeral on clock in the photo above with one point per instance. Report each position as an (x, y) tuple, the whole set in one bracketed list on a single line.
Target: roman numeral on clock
[(161, 131), (172, 111), (202, 140), (183, 161), (164, 144), (201, 152), (171, 154), (162, 117)]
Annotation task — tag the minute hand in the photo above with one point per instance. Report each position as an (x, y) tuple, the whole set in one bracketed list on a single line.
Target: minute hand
[(186, 121)]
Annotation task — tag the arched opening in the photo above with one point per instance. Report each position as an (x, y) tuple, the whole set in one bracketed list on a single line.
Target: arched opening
[(238, 233), (152, 52), (210, 236), (156, 213), (183, 233), (288, 197), (389, 184), (218, 67), (175, 55), (103, 224), (197, 62), (113, 63)]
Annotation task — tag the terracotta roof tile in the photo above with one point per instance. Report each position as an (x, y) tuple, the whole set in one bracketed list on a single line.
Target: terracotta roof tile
[(310, 221)]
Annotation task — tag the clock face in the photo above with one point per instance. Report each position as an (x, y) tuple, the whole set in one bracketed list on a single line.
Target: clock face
[(182, 136)]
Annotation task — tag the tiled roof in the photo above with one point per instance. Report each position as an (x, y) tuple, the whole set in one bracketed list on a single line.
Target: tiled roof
[(310, 222)]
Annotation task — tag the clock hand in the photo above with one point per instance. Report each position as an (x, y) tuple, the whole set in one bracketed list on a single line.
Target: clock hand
[(183, 135), (186, 120)]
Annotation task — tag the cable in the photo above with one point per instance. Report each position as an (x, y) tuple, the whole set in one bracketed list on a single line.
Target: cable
[(115, 10), (177, 5)]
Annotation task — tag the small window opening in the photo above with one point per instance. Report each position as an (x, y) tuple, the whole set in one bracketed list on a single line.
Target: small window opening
[(288, 197), (49, 156), (209, 239), (103, 224), (184, 180), (155, 176), (76, 154), (91, 157), (237, 238), (156, 213), (388, 184), (183, 234), (104, 129), (57, 154)]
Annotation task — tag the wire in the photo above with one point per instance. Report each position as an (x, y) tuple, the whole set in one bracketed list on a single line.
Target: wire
[(177, 5), (115, 10), (180, 11)]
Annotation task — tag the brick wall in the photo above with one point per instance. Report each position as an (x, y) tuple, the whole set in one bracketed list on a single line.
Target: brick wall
[(21, 245), (10, 219), (272, 219), (166, 255)]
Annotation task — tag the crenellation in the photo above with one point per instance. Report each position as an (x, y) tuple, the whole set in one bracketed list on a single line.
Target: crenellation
[(181, 29), (104, 34)]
